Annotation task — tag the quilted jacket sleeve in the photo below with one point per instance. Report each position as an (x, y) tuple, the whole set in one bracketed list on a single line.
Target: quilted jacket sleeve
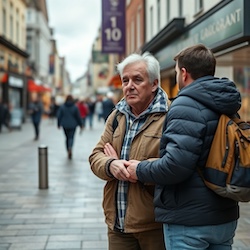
[(181, 146)]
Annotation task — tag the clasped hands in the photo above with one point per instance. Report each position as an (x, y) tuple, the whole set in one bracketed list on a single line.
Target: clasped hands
[(122, 170)]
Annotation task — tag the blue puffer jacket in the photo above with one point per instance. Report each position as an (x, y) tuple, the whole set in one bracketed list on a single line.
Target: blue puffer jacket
[(68, 116), (181, 197)]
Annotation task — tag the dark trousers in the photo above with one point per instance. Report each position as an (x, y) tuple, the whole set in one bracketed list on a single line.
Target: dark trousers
[(148, 240), (69, 133), (36, 127)]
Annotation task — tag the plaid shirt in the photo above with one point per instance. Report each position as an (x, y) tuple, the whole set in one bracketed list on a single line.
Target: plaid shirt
[(134, 124)]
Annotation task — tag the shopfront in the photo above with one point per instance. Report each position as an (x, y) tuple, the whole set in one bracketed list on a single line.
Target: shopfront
[(226, 30), (13, 91)]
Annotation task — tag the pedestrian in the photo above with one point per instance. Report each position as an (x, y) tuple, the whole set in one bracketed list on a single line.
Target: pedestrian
[(1, 114), (194, 217), (128, 206), (6, 115), (99, 108), (36, 110), (91, 107), (108, 105), (84, 110), (53, 108), (69, 118)]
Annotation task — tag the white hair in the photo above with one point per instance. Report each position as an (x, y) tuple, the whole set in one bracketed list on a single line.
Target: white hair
[(153, 66)]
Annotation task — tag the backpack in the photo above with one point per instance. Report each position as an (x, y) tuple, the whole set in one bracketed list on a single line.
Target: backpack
[(227, 170), (115, 121)]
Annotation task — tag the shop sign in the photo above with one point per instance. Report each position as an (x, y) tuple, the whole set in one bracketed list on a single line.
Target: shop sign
[(99, 57), (113, 26), (15, 82), (223, 26)]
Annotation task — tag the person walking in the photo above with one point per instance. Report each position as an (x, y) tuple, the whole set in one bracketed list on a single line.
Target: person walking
[(6, 115), (84, 110), (128, 205), (53, 108), (69, 118), (108, 105), (194, 217), (1, 115), (36, 111), (99, 108), (91, 107)]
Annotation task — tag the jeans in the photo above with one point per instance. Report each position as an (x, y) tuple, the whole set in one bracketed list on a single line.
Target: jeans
[(90, 118), (36, 127), (69, 132), (211, 237)]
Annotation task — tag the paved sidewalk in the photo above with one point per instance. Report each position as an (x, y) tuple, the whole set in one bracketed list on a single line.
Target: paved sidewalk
[(67, 215)]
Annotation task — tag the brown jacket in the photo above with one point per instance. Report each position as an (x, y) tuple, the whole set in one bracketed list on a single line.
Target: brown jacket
[(140, 209)]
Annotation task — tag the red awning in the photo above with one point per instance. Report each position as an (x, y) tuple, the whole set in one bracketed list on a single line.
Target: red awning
[(4, 78), (115, 81), (33, 87)]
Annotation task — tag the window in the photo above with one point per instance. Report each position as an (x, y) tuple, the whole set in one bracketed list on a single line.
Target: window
[(199, 5), (168, 10), (17, 27), (11, 28), (1, 59), (29, 45), (158, 15), (11, 23), (151, 21), (180, 8), (132, 30), (138, 29), (17, 33), (4, 22)]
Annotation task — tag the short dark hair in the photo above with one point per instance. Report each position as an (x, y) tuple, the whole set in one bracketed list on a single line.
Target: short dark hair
[(69, 98), (198, 60)]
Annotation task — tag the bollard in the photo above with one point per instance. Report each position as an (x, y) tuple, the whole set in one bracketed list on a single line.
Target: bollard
[(43, 167)]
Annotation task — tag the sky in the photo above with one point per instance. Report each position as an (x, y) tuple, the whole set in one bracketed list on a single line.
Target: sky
[(75, 24)]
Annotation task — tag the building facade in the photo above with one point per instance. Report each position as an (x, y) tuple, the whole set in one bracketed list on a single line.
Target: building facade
[(13, 55), (223, 26)]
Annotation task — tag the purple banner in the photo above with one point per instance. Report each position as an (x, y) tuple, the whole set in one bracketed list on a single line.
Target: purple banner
[(113, 26)]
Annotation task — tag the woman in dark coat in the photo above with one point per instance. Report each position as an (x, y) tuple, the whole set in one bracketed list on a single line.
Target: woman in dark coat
[(36, 111), (69, 118)]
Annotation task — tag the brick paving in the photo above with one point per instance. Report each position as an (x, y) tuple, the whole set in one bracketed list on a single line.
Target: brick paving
[(68, 215)]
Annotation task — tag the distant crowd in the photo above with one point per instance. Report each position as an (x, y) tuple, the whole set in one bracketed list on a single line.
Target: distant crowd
[(100, 105)]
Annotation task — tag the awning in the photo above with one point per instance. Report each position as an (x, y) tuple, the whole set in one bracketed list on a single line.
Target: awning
[(4, 78), (33, 87), (115, 81)]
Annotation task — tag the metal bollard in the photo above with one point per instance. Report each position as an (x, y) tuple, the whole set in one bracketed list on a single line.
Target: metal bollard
[(43, 167)]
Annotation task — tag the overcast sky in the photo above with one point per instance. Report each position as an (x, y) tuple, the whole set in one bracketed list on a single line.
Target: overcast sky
[(75, 24)]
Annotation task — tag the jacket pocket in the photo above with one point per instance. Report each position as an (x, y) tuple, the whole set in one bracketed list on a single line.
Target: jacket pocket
[(166, 197), (150, 147)]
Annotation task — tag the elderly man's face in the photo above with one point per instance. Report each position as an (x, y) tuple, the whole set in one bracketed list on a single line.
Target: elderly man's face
[(137, 89)]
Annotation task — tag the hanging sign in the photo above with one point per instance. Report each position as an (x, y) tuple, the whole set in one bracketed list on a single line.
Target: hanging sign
[(113, 26)]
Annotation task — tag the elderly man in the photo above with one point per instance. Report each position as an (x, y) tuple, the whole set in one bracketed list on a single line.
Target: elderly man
[(133, 131)]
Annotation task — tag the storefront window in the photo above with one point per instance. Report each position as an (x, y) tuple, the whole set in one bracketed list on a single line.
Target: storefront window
[(14, 98), (236, 66), (242, 80)]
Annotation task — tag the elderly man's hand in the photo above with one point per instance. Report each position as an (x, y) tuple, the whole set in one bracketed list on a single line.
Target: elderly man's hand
[(132, 169), (118, 169), (110, 151)]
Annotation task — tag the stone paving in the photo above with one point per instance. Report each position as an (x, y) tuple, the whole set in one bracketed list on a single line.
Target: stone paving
[(68, 215)]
